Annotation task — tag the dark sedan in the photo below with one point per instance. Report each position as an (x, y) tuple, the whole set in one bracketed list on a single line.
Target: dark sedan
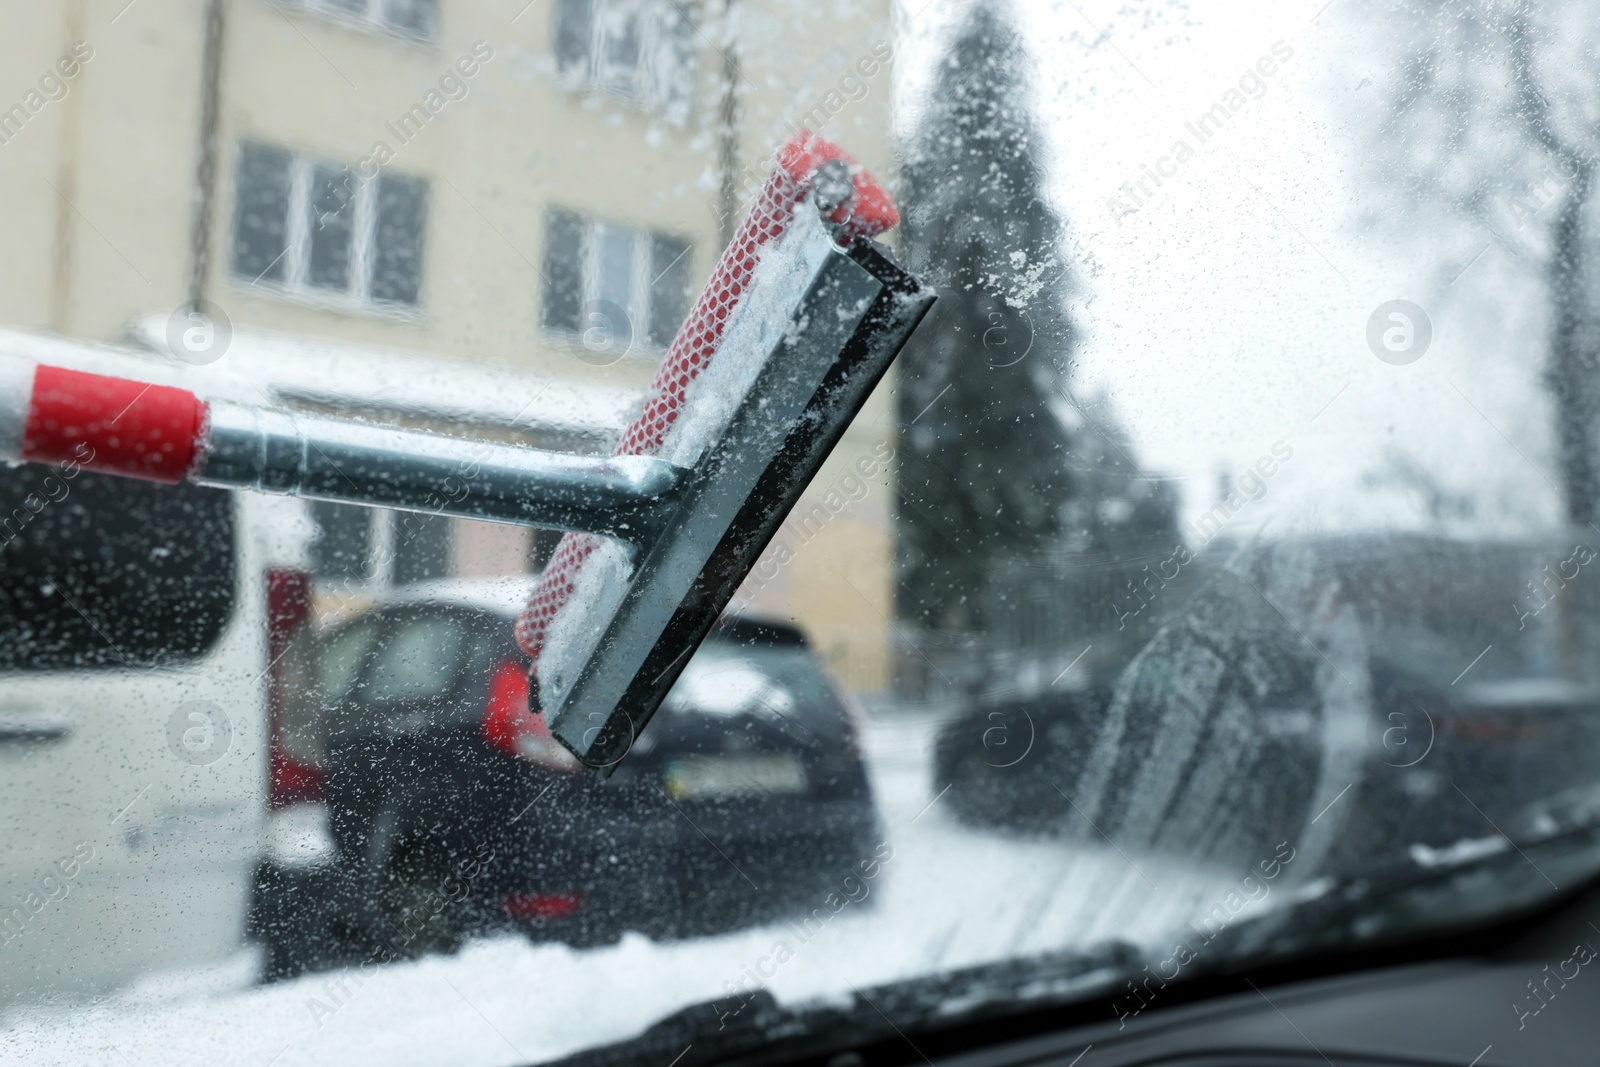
[(452, 810)]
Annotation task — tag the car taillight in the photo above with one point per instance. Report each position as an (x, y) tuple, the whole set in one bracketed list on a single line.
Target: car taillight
[(543, 905), (1494, 728), (293, 782), (509, 726), (294, 776)]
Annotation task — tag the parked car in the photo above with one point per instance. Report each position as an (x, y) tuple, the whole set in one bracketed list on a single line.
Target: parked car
[(143, 632), (1346, 677), (450, 810)]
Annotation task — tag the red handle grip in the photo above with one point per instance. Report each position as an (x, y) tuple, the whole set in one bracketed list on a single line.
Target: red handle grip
[(112, 425)]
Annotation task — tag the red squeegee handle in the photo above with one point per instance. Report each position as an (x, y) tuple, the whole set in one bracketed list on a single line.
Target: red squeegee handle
[(112, 425)]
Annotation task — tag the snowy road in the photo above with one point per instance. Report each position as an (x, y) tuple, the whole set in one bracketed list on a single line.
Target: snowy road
[(950, 896)]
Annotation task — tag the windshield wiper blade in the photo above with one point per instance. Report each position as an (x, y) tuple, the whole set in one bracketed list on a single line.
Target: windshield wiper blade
[(755, 1028), (1547, 848)]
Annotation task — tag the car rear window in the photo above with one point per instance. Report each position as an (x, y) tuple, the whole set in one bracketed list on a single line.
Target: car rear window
[(106, 572), (729, 678), (341, 658), (418, 659)]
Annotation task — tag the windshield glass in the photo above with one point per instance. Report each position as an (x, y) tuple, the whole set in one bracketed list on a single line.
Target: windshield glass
[(1210, 578)]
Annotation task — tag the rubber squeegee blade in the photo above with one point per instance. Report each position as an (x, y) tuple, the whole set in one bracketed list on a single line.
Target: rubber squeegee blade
[(802, 317)]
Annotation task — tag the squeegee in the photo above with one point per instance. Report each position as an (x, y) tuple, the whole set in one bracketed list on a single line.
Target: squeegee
[(802, 316)]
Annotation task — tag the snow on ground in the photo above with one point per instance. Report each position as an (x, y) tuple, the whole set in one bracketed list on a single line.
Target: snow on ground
[(950, 896)]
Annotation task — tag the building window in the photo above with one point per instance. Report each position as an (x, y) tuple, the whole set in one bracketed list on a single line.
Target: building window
[(317, 228), (412, 18), (612, 285), (639, 49)]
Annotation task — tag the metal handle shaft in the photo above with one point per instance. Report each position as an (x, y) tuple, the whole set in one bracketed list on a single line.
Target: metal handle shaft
[(331, 459)]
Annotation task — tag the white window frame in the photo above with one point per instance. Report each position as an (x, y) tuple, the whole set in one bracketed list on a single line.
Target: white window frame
[(656, 82), (640, 287), (296, 281), (297, 260), (638, 307), (373, 17)]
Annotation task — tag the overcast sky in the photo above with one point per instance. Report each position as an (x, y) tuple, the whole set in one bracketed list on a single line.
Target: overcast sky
[(1230, 311)]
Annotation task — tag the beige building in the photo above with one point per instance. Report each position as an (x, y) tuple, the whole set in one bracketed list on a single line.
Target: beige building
[(540, 185)]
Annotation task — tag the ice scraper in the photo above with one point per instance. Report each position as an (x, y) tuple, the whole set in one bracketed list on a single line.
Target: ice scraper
[(802, 316)]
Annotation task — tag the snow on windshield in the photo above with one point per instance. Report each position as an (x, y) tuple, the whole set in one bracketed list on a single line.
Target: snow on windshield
[(1222, 544)]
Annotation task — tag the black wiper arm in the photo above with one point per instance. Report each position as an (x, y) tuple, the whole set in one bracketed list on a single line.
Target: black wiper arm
[(755, 1028), (1552, 844)]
